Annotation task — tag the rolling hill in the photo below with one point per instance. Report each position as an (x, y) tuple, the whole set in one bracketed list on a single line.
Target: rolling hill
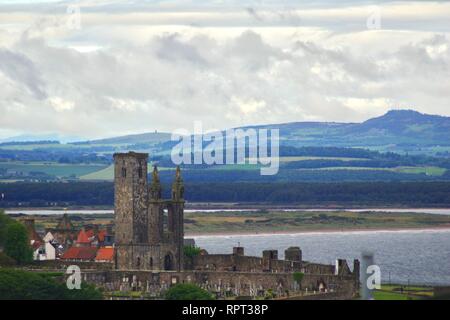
[(397, 131)]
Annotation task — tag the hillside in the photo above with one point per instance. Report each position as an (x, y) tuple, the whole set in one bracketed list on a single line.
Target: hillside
[(397, 130), (401, 145)]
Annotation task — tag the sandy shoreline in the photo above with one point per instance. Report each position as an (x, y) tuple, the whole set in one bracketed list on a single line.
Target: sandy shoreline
[(294, 232)]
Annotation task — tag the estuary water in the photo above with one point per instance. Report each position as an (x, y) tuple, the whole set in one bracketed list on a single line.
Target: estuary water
[(443, 211), (417, 256)]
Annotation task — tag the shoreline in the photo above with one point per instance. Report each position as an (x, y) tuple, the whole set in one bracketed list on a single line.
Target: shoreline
[(335, 230), (245, 206), (242, 208)]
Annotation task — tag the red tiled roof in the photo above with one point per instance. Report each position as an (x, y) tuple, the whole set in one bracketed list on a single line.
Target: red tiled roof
[(80, 253), (36, 244), (101, 235), (106, 253), (83, 237)]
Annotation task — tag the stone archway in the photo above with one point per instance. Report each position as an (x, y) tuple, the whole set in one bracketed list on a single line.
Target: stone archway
[(168, 261)]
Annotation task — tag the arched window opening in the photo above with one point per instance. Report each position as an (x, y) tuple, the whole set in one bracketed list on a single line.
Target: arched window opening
[(138, 262), (168, 262)]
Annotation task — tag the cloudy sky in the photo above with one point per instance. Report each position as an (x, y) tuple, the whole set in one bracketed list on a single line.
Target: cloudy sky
[(92, 69)]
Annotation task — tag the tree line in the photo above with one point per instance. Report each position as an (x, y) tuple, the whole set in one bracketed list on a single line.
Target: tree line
[(433, 193)]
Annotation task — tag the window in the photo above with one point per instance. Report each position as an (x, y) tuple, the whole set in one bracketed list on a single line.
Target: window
[(168, 262), (140, 172), (124, 172), (138, 263), (151, 263)]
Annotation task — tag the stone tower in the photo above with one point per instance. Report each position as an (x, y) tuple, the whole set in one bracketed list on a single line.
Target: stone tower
[(149, 229), (130, 197)]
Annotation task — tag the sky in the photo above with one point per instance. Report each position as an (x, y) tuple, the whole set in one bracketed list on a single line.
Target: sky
[(93, 69)]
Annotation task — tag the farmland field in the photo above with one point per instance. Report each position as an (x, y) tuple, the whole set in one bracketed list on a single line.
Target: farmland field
[(107, 173), (51, 168)]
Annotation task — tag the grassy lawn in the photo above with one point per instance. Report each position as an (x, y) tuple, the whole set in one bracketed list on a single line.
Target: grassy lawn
[(392, 292), (383, 295)]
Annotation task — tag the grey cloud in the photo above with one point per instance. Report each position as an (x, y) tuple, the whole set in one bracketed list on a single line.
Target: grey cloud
[(169, 80), (22, 70)]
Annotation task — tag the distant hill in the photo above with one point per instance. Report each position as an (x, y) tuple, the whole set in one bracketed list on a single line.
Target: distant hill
[(401, 145), (151, 137), (403, 131), (40, 137), (397, 130), (402, 126)]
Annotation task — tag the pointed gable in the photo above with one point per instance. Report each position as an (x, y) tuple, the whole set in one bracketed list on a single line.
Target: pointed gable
[(65, 223), (83, 237)]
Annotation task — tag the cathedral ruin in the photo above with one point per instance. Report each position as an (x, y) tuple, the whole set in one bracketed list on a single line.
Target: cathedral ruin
[(149, 257), (149, 250), (149, 230)]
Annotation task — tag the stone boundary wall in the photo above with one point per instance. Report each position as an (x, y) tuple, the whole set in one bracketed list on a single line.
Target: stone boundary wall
[(62, 265), (223, 284), (231, 262)]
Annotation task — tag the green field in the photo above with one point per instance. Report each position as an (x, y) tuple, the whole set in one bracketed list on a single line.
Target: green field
[(282, 221), (429, 171), (301, 158), (107, 173), (52, 168), (29, 147), (395, 292)]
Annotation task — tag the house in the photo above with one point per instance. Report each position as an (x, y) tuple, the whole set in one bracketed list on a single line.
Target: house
[(36, 242), (91, 236), (85, 238), (105, 237), (105, 254), (52, 247), (47, 249), (64, 233), (80, 254)]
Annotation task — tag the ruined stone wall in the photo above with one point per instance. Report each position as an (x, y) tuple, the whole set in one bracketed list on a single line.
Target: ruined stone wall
[(317, 268), (223, 284), (148, 257), (231, 262), (227, 262)]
